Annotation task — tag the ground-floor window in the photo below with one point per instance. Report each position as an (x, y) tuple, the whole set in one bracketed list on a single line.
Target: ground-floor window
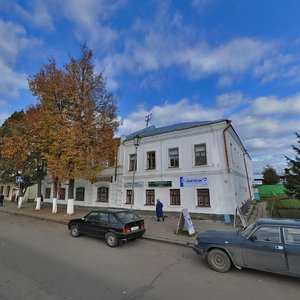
[(175, 197), (102, 194), (203, 199), (7, 191), (79, 194), (150, 197), (1, 189), (128, 197), (47, 193), (62, 194)]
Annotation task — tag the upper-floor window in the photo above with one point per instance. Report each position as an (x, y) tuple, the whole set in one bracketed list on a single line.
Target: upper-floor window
[(132, 162), (200, 155), (102, 194), (173, 158), (79, 194), (151, 160)]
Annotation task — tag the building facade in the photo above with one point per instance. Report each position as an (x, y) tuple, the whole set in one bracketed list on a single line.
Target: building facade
[(201, 166)]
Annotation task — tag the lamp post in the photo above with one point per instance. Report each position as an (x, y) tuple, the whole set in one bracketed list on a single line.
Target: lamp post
[(136, 143)]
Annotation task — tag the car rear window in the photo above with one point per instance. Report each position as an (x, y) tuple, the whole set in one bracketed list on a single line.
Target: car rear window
[(126, 217)]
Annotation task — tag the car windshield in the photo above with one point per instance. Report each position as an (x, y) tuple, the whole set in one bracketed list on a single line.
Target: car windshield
[(246, 232), (126, 216)]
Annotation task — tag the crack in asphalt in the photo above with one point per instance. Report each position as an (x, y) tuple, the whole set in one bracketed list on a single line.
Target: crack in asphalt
[(139, 293)]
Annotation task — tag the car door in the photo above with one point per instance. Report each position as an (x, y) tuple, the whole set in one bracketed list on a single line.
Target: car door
[(292, 248), (89, 223), (102, 224), (264, 250)]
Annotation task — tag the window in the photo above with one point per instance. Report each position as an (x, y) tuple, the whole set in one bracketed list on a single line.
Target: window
[(150, 197), (292, 236), (47, 193), (132, 162), (113, 219), (102, 194), (175, 197), (151, 160), (200, 155), (267, 234), (1, 189), (173, 158), (62, 194), (203, 197), (7, 191), (128, 197), (79, 194), (103, 217)]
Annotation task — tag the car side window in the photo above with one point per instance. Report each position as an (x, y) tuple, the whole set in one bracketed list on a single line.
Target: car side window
[(93, 216), (112, 219), (267, 234), (291, 236), (103, 217)]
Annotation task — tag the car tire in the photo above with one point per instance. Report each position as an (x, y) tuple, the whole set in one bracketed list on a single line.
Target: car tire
[(219, 260), (75, 231), (111, 239)]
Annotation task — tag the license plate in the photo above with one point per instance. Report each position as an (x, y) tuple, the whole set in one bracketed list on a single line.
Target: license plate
[(135, 228)]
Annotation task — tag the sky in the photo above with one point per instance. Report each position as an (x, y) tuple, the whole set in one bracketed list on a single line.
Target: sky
[(181, 61)]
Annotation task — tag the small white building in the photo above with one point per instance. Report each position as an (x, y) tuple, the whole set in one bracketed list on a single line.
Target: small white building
[(202, 166)]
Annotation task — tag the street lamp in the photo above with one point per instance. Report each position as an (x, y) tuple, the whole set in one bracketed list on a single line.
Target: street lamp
[(136, 143)]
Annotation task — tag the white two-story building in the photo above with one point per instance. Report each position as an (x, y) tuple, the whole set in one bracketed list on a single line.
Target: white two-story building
[(202, 166)]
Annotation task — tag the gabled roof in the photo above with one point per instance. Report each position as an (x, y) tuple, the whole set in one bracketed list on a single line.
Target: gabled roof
[(152, 130)]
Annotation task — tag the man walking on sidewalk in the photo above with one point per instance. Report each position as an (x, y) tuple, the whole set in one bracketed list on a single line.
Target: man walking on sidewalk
[(1, 199)]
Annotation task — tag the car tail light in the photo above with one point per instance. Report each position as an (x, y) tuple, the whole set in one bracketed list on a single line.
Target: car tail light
[(142, 225), (126, 230)]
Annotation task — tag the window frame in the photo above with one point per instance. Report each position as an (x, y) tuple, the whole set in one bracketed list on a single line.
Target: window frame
[(128, 196), (132, 163), (204, 202), (80, 190), (106, 194), (151, 160), (150, 197), (175, 197), (47, 192), (200, 159), (62, 195), (173, 157)]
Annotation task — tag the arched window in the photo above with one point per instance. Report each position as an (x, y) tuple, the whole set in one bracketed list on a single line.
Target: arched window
[(102, 194)]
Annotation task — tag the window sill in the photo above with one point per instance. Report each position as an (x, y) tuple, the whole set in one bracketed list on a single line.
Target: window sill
[(149, 204), (199, 206)]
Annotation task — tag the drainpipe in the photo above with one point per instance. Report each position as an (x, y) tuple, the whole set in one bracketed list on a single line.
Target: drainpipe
[(247, 175), (225, 144)]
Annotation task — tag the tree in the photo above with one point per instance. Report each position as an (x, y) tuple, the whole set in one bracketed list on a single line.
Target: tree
[(19, 152), (270, 175), (292, 177), (78, 120)]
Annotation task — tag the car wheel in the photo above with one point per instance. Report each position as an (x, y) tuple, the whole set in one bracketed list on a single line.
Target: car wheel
[(219, 260), (111, 239), (74, 231)]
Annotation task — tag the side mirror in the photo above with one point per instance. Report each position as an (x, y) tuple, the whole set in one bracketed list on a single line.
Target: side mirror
[(253, 238), (84, 219)]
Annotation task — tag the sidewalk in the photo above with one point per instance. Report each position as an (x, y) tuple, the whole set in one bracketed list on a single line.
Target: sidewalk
[(157, 231)]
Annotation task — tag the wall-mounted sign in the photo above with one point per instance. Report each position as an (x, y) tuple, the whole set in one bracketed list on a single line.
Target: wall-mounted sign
[(160, 183), (193, 181), (136, 184)]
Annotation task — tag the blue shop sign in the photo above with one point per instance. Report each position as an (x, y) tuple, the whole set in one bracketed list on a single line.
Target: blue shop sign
[(193, 181)]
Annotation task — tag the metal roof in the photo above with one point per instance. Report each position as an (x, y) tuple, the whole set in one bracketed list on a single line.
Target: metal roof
[(152, 130)]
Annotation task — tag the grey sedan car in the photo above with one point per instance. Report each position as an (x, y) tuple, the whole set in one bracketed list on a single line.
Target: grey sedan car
[(271, 245)]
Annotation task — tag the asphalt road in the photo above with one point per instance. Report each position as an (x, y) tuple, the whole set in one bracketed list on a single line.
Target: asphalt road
[(40, 260)]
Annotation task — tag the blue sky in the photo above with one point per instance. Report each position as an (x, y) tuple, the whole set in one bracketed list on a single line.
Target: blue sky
[(180, 60)]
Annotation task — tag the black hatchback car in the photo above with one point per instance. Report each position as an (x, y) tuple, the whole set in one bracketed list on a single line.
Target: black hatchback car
[(113, 225), (271, 245)]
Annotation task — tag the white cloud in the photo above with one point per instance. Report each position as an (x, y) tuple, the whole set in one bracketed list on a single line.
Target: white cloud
[(89, 18), (38, 16), (230, 100), (273, 105)]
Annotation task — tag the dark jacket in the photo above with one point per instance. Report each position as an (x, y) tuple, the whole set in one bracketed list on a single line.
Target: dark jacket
[(159, 209)]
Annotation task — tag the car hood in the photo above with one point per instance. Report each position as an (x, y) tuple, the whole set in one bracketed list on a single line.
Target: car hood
[(218, 235)]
